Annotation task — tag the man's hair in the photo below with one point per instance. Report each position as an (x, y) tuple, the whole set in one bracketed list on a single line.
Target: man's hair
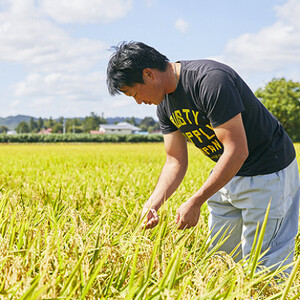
[(126, 65)]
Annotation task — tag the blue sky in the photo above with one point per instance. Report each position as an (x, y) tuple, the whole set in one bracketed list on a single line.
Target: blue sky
[(54, 53)]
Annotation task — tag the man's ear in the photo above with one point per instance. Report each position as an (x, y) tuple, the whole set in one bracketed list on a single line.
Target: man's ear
[(148, 74)]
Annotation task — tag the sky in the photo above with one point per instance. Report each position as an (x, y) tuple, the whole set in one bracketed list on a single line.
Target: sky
[(54, 53)]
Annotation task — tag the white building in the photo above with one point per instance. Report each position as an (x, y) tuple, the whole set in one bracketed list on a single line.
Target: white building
[(11, 132), (120, 128)]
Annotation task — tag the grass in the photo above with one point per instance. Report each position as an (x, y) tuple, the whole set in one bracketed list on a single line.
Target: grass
[(69, 229)]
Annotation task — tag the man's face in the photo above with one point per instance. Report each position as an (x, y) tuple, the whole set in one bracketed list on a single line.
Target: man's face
[(143, 94), (149, 92)]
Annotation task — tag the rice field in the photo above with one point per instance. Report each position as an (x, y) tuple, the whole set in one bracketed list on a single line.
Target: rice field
[(70, 229)]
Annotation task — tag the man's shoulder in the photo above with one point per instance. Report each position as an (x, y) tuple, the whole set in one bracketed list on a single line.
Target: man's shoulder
[(198, 70), (203, 64)]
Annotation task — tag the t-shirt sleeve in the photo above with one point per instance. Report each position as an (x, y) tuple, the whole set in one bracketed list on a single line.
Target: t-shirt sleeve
[(165, 123), (220, 97)]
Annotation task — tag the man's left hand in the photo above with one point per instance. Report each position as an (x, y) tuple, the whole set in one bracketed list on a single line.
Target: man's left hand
[(188, 214)]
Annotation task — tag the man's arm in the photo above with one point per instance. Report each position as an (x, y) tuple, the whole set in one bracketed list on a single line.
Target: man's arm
[(232, 135), (170, 178)]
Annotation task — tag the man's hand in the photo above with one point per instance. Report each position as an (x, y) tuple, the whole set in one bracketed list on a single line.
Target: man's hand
[(151, 218), (170, 177), (188, 214)]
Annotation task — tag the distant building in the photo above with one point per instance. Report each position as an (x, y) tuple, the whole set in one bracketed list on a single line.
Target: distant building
[(156, 132), (45, 131), (120, 128), (11, 132), (95, 132)]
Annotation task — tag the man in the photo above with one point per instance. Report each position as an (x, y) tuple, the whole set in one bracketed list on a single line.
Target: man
[(208, 104)]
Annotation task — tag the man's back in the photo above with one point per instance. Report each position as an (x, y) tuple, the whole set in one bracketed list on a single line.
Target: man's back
[(218, 93)]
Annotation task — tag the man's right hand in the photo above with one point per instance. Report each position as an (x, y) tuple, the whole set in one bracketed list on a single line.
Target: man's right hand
[(151, 218)]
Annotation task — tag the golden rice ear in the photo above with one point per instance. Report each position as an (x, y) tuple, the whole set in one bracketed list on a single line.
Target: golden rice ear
[(69, 228)]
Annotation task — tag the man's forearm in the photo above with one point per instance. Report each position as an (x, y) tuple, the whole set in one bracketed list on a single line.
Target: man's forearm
[(228, 165), (225, 169), (170, 178)]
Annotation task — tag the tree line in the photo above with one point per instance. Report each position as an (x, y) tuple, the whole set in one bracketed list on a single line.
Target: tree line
[(77, 125)]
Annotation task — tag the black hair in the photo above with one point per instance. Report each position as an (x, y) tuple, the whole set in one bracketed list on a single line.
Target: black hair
[(126, 65)]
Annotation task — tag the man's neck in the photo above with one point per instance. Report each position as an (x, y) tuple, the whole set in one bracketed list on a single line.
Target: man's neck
[(172, 75)]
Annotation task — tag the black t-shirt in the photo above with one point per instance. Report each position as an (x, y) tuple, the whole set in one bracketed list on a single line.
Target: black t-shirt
[(209, 94)]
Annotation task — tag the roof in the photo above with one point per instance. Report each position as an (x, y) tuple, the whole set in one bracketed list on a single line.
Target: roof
[(95, 132), (45, 131), (120, 126)]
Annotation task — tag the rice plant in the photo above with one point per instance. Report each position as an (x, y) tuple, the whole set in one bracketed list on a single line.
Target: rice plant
[(70, 229)]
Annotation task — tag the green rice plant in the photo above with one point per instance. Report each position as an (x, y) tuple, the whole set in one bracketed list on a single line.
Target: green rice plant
[(290, 281), (70, 229), (255, 254)]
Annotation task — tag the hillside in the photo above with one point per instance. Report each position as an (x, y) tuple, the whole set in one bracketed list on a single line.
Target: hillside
[(12, 122)]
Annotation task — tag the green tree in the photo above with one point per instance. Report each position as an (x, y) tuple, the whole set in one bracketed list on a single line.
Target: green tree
[(57, 128), (40, 123), (75, 129), (77, 126), (49, 123), (23, 127), (76, 122), (146, 123), (282, 99), (69, 125), (3, 129), (73, 126), (131, 121), (154, 128), (60, 120), (92, 122), (33, 126)]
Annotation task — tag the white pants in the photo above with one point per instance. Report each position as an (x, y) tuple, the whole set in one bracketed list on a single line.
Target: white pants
[(242, 203)]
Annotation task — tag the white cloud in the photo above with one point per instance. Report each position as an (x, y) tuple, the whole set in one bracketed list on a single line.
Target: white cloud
[(59, 66), (61, 94), (289, 12), (181, 25), (39, 44), (85, 11), (62, 86), (126, 106), (29, 37), (272, 50), (15, 104)]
